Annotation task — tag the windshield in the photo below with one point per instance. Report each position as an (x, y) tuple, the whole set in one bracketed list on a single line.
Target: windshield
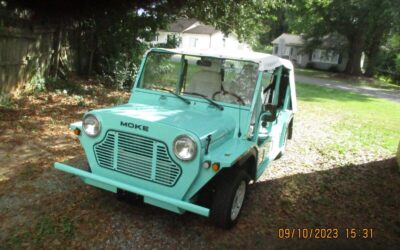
[(223, 80)]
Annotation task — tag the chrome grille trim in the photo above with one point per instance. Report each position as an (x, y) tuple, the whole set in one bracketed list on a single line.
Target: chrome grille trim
[(137, 156)]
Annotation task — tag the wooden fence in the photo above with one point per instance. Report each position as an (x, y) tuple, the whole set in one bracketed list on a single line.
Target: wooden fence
[(25, 55)]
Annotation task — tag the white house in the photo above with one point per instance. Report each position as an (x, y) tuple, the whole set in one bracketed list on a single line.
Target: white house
[(194, 34), (292, 46)]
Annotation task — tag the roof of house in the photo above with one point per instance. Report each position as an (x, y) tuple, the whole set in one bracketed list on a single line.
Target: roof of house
[(202, 29), (181, 24), (328, 41), (289, 39), (192, 26)]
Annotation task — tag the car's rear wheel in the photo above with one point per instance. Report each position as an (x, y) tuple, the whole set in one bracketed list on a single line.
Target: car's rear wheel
[(228, 200)]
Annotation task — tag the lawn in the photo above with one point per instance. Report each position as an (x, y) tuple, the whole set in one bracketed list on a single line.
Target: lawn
[(346, 79), (360, 122)]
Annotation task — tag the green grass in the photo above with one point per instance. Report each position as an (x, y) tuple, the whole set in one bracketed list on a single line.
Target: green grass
[(346, 79), (360, 122)]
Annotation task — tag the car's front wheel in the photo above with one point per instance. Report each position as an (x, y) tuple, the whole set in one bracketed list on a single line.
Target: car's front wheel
[(228, 200)]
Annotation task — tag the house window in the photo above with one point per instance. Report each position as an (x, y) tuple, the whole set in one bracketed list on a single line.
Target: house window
[(287, 51), (275, 50), (324, 56), (193, 42)]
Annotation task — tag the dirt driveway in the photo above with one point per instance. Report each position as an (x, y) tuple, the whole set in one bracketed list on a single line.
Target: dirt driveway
[(44, 208)]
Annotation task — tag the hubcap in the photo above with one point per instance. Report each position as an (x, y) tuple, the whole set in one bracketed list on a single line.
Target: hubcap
[(238, 200)]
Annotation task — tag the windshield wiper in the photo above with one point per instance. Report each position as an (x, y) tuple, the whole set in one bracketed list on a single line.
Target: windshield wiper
[(175, 94), (220, 107)]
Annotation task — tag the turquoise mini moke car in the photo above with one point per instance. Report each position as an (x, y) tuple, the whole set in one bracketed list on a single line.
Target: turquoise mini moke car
[(199, 126)]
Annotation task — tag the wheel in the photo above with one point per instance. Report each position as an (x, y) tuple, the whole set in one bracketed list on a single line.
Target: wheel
[(228, 199), (283, 146)]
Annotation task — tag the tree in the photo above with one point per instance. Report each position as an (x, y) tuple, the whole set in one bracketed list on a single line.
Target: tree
[(109, 36), (365, 24), (245, 18), (388, 58), (274, 25)]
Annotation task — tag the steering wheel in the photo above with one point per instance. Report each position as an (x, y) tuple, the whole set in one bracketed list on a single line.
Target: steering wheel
[(224, 92)]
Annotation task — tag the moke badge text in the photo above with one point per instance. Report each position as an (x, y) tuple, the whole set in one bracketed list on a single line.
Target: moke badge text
[(135, 126)]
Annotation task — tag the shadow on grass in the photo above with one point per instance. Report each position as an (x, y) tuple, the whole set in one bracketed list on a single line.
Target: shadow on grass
[(312, 93)]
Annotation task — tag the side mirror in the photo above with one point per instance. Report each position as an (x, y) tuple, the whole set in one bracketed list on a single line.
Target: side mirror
[(268, 114)]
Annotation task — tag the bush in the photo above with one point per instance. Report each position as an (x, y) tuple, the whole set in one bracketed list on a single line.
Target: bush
[(333, 69), (5, 100), (118, 73), (310, 65), (36, 84), (70, 87)]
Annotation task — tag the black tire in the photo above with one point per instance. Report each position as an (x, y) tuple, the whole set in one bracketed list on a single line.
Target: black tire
[(284, 146), (225, 192)]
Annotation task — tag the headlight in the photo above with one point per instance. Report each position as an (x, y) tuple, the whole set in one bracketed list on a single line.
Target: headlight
[(91, 125), (185, 148)]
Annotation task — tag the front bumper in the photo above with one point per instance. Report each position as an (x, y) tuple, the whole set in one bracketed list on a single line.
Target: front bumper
[(157, 199)]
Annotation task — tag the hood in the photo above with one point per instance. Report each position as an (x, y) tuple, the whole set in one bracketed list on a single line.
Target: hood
[(199, 122)]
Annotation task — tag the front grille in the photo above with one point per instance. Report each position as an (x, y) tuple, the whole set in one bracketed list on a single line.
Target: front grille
[(137, 156)]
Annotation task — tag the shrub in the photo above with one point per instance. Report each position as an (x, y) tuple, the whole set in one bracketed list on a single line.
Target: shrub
[(118, 73), (69, 87), (5, 100), (36, 84), (333, 69), (310, 65)]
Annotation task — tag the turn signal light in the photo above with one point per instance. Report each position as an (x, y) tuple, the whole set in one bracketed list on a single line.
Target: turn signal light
[(215, 166), (77, 131)]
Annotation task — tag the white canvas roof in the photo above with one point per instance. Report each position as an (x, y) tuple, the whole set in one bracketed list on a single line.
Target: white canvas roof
[(265, 62)]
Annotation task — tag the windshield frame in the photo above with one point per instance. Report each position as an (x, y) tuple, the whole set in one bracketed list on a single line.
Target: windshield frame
[(180, 80)]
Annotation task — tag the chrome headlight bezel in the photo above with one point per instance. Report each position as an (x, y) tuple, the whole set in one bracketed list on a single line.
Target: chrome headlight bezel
[(188, 139), (84, 126)]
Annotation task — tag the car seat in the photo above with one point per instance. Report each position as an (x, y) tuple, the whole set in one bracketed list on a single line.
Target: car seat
[(207, 80)]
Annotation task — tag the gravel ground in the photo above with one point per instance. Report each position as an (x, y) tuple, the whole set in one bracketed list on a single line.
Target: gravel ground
[(308, 187)]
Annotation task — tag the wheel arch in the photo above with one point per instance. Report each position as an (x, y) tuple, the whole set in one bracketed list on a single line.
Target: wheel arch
[(248, 162)]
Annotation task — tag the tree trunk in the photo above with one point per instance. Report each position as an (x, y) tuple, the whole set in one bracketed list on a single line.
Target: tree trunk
[(90, 65), (356, 47), (57, 50), (372, 55), (93, 41), (78, 41)]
